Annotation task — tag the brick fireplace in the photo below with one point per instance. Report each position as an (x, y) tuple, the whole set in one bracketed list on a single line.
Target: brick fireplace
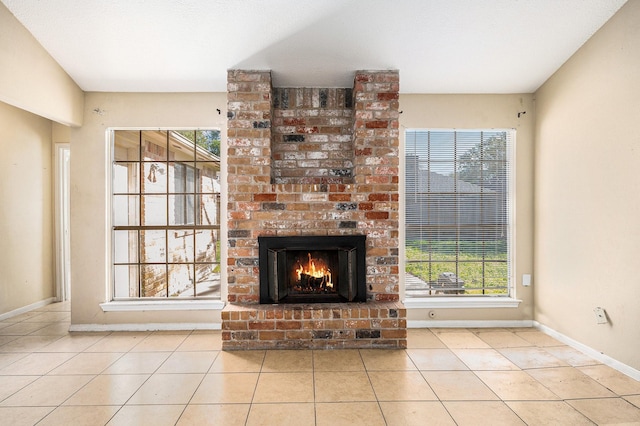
[(313, 162)]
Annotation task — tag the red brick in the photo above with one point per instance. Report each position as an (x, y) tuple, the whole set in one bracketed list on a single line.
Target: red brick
[(387, 96), (365, 152), (363, 78), (248, 299), (334, 324), (377, 215), (261, 325), (357, 324), (294, 121), (339, 197), (379, 197), (303, 129), (234, 325), (378, 179), (265, 197), (271, 335), (313, 325), (377, 124), (288, 325), (299, 334), (385, 323), (387, 297)]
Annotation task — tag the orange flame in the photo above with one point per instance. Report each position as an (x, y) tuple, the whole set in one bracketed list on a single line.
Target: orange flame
[(315, 271)]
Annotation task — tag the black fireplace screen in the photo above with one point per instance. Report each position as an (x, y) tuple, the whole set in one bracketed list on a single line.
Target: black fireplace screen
[(312, 269)]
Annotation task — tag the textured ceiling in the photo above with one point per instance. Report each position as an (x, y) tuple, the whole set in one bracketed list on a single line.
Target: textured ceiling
[(439, 46)]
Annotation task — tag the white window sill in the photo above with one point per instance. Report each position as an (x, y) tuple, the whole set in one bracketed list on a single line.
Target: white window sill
[(161, 305), (461, 302)]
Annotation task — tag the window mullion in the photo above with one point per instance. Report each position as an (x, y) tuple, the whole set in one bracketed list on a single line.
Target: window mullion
[(428, 198), (195, 237), (483, 240), (141, 201), (166, 232), (456, 199)]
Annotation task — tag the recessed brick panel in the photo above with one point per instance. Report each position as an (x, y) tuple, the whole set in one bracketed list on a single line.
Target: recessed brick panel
[(312, 124)]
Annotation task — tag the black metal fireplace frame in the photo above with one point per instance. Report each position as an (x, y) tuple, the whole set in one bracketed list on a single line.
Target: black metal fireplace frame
[(355, 243)]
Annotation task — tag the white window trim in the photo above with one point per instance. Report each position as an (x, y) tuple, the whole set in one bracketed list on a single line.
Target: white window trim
[(471, 302), (61, 215), (462, 302), (161, 305)]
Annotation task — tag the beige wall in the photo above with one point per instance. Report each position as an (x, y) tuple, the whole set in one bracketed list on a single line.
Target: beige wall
[(588, 192), (89, 171), (26, 215), (477, 112), (31, 79)]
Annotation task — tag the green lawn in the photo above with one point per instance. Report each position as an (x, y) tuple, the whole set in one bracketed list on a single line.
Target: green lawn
[(427, 260)]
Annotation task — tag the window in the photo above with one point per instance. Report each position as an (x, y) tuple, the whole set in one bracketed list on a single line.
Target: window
[(458, 215), (165, 214)]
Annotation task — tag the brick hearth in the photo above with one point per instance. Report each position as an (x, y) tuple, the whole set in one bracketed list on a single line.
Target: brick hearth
[(310, 162)]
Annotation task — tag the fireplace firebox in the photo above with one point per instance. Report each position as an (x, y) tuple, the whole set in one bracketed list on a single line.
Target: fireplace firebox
[(312, 269)]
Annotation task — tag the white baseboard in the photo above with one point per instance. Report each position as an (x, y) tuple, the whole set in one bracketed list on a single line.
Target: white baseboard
[(144, 327), (599, 356), (468, 324), (27, 308)]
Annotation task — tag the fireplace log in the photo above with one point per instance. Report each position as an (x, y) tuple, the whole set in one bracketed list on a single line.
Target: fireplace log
[(309, 281)]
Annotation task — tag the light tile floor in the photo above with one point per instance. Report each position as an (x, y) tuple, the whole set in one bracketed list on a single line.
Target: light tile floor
[(446, 377)]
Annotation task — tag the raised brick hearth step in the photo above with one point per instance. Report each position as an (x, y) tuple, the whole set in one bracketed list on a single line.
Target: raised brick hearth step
[(314, 326)]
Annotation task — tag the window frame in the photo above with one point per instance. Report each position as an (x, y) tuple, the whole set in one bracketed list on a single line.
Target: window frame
[(466, 301), (194, 302)]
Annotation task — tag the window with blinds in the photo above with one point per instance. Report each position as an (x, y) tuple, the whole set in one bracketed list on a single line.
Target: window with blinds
[(458, 212)]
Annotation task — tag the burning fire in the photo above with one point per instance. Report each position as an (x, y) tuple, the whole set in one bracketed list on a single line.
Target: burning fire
[(318, 273)]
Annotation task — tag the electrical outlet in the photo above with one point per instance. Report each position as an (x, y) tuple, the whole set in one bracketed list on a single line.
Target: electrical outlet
[(601, 315)]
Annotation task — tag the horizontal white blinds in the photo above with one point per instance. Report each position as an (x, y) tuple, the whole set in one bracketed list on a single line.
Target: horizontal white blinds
[(457, 211)]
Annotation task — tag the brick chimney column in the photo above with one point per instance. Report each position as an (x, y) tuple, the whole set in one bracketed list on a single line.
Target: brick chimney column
[(249, 164), (376, 145)]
